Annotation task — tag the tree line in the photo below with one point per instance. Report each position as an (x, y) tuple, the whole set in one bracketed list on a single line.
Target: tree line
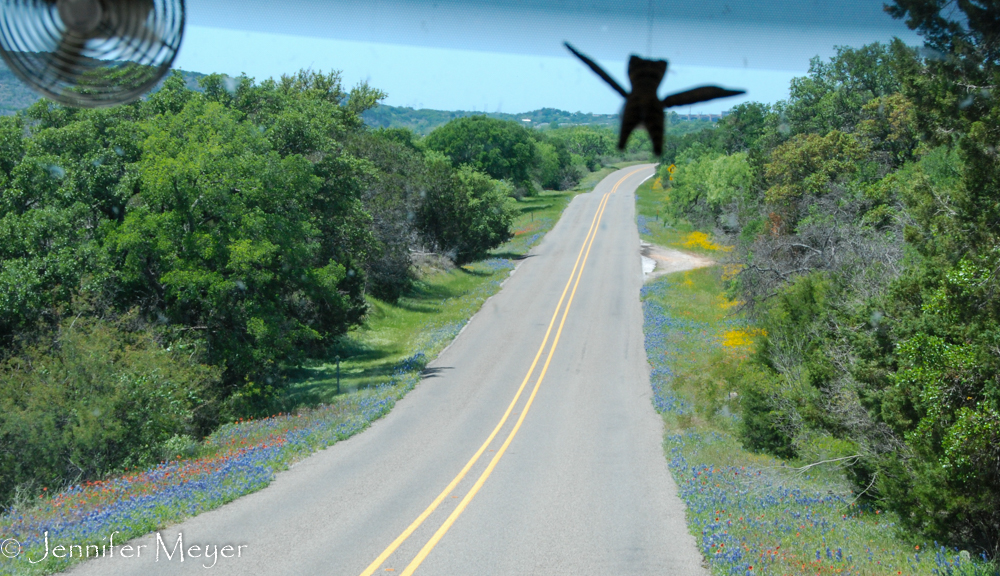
[(164, 262), (864, 218), (423, 121)]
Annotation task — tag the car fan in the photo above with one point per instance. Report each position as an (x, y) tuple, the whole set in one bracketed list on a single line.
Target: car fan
[(91, 53)]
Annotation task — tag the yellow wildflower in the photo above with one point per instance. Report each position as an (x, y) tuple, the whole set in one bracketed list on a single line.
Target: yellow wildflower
[(726, 303), (702, 240), (741, 338)]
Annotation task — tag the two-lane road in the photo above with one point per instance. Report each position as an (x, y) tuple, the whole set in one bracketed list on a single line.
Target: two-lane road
[(532, 449)]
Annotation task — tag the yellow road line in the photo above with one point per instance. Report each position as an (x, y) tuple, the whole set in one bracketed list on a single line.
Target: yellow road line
[(451, 486), (587, 242), (489, 469)]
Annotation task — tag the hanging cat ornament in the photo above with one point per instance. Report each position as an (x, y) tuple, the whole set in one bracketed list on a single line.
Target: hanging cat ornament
[(642, 105)]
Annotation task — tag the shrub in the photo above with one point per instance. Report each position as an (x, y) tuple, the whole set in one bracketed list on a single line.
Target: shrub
[(765, 422), (465, 213), (703, 186), (94, 401)]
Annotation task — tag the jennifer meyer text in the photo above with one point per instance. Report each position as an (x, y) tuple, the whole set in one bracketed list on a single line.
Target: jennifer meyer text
[(165, 549)]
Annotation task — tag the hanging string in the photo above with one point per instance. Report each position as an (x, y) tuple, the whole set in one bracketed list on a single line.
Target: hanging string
[(649, 36)]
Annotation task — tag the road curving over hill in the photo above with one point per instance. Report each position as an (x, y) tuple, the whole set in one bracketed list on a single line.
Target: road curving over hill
[(530, 447)]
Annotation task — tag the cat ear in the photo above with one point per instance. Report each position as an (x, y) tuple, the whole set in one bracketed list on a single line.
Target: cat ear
[(700, 94), (600, 72), (636, 63)]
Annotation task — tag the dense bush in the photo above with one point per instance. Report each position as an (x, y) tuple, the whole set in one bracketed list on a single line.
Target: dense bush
[(554, 158), (588, 144), (554, 167), (466, 213), (706, 184), (96, 400), (221, 238), (500, 148)]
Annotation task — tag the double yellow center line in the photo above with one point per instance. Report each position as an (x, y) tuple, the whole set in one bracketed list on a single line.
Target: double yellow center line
[(574, 280)]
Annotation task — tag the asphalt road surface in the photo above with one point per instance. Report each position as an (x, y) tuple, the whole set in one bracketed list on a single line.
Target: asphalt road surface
[(531, 447)]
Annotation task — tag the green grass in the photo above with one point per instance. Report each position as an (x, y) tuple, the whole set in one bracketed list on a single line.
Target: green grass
[(428, 318), (653, 228), (752, 513)]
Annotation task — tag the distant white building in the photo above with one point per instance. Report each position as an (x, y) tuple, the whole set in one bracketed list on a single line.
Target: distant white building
[(703, 117)]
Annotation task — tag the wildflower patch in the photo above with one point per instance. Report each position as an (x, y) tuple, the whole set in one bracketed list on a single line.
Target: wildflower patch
[(704, 241), (741, 339)]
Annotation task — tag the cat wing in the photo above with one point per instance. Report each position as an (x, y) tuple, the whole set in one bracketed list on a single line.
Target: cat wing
[(600, 72), (700, 94)]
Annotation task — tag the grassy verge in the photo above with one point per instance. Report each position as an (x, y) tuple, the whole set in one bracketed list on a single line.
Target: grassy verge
[(381, 362), (750, 513), (650, 198)]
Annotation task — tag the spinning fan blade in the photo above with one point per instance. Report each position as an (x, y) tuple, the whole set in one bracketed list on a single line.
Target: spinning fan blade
[(65, 59), (128, 19), (80, 16), (91, 53)]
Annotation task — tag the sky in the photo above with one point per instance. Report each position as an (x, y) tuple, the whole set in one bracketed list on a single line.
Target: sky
[(507, 55)]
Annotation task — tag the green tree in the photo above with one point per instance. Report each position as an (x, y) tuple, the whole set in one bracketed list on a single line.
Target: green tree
[(221, 240), (465, 213), (548, 166), (832, 95), (939, 392), (590, 144), (195, 244), (744, 127), (391, 179), (809, 164), (502, 149), (63, 187), (705, 184), (556, 168)]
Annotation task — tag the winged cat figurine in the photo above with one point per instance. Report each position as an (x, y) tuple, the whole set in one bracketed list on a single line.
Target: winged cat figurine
[(642, 105)]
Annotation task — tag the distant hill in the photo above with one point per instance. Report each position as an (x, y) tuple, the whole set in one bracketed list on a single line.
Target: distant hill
[(423, 121), (15, 95)]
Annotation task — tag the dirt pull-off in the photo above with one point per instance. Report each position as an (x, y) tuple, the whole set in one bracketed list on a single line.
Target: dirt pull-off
[(657, 261)]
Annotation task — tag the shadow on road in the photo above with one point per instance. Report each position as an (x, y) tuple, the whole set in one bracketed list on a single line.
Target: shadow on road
[(433, 372)]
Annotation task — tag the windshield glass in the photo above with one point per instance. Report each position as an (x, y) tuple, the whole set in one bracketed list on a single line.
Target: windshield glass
[(508, 287), (507, 56)]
